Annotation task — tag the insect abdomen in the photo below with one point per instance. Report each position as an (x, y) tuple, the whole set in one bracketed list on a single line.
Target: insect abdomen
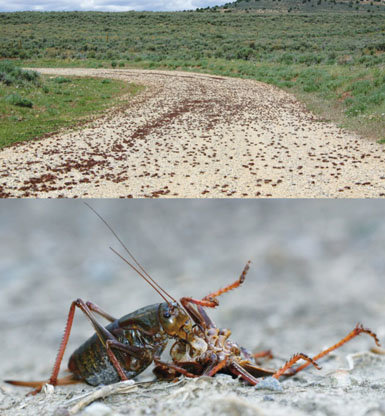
[(90, 362)]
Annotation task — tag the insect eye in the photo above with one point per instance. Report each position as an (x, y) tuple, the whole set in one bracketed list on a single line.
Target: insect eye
[(167, 314)]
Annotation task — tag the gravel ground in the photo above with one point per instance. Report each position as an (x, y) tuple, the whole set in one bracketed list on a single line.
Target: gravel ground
[(196, 135), (317, 269)]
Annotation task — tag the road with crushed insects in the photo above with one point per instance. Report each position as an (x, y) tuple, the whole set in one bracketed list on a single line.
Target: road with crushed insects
[(196, 135)]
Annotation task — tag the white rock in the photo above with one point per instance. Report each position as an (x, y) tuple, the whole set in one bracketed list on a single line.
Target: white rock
[(99, 409)]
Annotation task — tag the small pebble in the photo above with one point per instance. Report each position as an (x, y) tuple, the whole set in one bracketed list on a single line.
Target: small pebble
[(268, 398), (340, 378), (269, 383), (99, 409), (48, 389)]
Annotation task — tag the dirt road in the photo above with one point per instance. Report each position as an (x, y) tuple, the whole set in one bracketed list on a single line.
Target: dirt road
[(195, 135)]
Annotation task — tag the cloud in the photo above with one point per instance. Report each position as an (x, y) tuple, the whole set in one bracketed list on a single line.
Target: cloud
[(104, 5)]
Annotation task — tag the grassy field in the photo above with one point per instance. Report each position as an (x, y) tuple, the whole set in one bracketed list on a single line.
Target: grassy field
[(33, 105), (333, 61)]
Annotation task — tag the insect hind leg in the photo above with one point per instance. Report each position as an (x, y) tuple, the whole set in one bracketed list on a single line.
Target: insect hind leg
[(63, 345), (38, 385), (95, 308), (103, 334)]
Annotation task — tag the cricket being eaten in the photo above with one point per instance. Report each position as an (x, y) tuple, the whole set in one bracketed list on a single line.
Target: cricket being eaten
[(128, 345)]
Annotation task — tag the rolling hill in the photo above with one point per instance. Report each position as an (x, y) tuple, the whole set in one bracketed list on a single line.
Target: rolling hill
[(304, 5)]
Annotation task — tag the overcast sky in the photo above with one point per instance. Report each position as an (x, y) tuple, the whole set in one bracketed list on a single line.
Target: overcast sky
[(105, 5)]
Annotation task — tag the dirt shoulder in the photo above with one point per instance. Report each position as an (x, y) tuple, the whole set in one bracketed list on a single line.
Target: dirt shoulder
[(196, 135)]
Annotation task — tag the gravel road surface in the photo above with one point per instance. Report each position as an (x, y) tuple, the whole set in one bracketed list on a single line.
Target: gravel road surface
[(196, 135)]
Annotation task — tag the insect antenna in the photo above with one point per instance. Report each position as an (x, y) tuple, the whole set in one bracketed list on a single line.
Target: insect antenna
[(140, 274), (130, 254)]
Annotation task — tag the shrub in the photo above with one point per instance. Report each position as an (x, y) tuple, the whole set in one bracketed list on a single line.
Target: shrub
[(61, 80), (10, 74), (286, 58), (376, 99), (355, 109), (7, 79), (16, 99), (361, 87)]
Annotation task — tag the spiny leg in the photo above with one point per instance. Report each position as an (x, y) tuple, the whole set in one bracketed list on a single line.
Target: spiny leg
[(232, 286), (292, 361), (359, 329), (210, 300), (103, 334), (53, 379), (63, 345), (208, 303)]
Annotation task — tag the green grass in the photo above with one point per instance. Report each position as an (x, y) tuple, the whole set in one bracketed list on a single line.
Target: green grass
[(333, 61), (30, 111)]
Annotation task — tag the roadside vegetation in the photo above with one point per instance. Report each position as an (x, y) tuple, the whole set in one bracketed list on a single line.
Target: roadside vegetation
[(32, 105), (334, 61)]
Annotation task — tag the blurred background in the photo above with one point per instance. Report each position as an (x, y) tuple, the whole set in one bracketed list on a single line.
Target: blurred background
[(318, 268)]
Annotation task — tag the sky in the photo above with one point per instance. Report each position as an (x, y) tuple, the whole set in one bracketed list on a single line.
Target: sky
[(105, 5)]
